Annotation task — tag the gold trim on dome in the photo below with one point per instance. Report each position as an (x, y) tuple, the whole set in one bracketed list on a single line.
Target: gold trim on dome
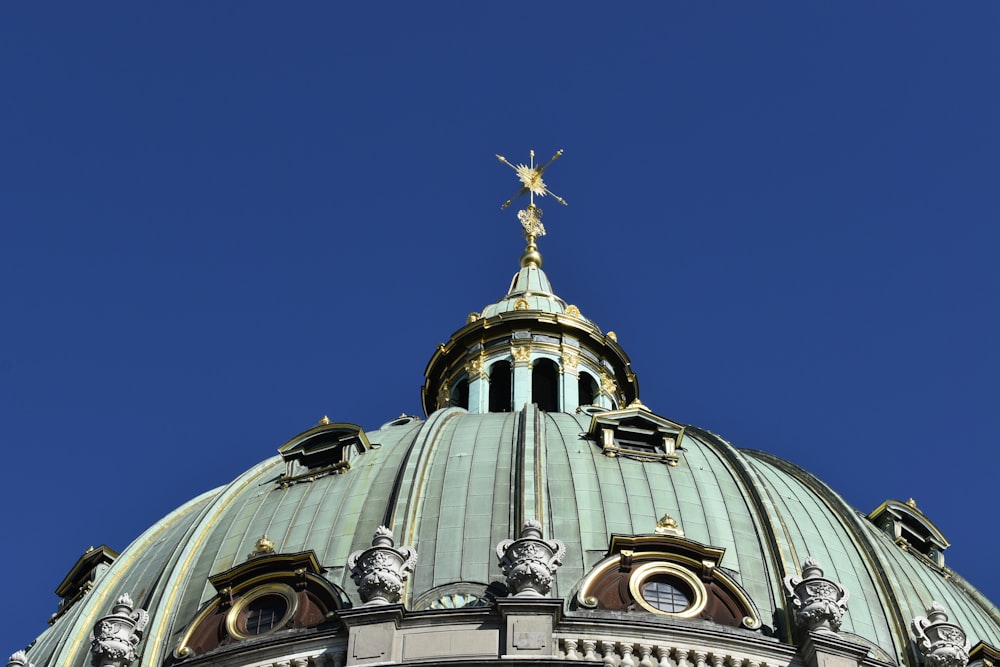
[(613, 336), (521, 304), (573, 311), (473, 317), (667, 525)]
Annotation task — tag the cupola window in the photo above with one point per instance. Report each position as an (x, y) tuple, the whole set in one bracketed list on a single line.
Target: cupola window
[(587, 389), (460, 394), (500, 387), (545, 385)]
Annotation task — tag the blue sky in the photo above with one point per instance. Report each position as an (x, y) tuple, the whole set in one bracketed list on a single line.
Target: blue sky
[(222, 221)]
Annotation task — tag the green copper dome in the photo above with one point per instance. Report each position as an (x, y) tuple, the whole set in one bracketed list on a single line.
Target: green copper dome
[(540, 512)]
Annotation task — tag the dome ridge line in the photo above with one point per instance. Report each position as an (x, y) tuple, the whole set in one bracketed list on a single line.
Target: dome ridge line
[(756, 491), (182, 570), (848, 518)]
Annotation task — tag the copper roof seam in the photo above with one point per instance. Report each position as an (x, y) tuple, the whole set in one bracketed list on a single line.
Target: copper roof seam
[(763, 515), (161, 624), (849, 520)]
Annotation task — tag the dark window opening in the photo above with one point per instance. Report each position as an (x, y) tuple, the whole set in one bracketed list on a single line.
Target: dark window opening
[(264, 613), (667, 594), (588, 389), (500, 387), (460, 394), (545, 385)]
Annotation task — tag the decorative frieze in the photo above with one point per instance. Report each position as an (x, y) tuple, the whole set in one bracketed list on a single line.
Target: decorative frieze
[(942, 644), (819, 603), (530, 562), (381, 570), (115, 637)]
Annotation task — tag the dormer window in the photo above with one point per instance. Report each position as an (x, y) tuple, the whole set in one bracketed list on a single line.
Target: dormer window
[(268, 594), (910, 529), (324, 449), (666, 574), (637, 433), (81, 577)]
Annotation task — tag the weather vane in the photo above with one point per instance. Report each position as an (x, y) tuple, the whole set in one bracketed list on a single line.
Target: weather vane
[(532, 184)]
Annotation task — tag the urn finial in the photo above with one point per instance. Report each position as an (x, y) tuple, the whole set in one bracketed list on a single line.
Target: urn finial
[(819, 602), (942, 644), (115, 637), (19, 659), (530, 562), (381, 570)]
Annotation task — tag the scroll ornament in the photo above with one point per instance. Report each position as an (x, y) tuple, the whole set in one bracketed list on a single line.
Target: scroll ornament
[(529, 562), (943, 644), (819, 602), (381, 570), (115, 637)]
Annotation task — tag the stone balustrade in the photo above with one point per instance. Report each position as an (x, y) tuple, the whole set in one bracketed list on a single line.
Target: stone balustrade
[(643, 653)]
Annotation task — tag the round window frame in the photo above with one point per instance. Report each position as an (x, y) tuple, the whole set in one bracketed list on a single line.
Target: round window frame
[(239, 609), (642, 574)]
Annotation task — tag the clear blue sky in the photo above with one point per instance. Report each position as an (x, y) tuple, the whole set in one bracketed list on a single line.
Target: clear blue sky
[(222, 221)]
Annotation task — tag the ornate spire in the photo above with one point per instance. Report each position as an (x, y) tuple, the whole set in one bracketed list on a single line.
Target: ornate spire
[(531, 217)]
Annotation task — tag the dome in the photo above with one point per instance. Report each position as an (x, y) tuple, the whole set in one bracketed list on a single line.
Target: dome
[(538, 512)]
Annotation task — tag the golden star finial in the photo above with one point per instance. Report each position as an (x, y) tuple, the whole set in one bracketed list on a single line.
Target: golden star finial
[(531, 179)]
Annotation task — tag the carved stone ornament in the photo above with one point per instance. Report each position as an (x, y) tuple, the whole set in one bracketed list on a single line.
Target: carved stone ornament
[(530, 562), (819, 602), (19, 659), (381, 570), (943, 644), (116, 636)]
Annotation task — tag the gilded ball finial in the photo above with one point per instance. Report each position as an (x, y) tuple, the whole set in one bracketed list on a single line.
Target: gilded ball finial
[(531, 256)]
